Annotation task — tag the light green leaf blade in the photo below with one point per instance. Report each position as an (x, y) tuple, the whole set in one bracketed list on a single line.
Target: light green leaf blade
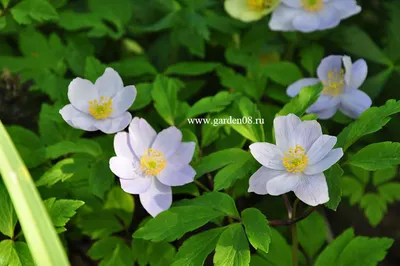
[(121, 203), (153, 253), (333, 176), (390, 191), (61, 171), (15, 254), (28, 10), (93, 68), (257, 229), (311, 57), (283, 73), (8, 218), (61, 211), (211, 104), (312, 233), (374, 207), (191, 68), (381, 176), (112, 251)]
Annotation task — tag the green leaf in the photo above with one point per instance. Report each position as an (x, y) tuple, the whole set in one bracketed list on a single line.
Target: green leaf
[(333, 176), (361, 174), (101, 178), (5, 3), (61, 211), (3, 22), (209, 134), (377, 156), (299, 104), (384, 175), (390, 191), (175, 222), (8, 218), (375, 84), (63, 148), (232, 247), (143, 97), (15, 254), (369, 122), (283, 73), (352, 188), (191, 68), (28, 10), (257, 229), (121, 204), (374, 207), (311, 57), (93, 68), (153, 253), (195, 250), (393, 36), (312, 233), (134, 67), (61, 171), (112, 251), (99, 223), (210, 104)]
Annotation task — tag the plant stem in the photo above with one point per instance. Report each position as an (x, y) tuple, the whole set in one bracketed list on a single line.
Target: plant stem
[(292, 221), (294, 236), (198, 183)]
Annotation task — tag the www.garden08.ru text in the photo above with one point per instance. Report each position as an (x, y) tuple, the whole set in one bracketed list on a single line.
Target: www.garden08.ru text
[(227, 121)]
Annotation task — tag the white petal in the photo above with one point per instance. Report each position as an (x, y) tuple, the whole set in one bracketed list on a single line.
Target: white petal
[(321, 147), (330, 159), (307, 133), (78, 119), (241, 10), (124, 168), (312, 190), (282, 18), (359, 74), (330, 63), (114, 124), (324, 102), (282, 183), (292, 3), (258, 181), (122, 146), (135, 186), (295, 88), (168, 141), (328, 17), (348, 69), (347, 8), (174, 175), (354, 103), (109, 84), (184, 154), (327, 113), (123, 100), (80, 92), (142, 136), (284, 131), (306, 22), (157, 198), (267, 154)]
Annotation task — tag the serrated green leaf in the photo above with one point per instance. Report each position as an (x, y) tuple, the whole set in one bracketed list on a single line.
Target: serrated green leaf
[(134, 67), (191, 68), (257, 229), (283, 73), (66, 147), (374, 207), (352, 188), (333, 176), (61, 211), (211, 104), (28, 10), (99, 224), (61, 171), (312, 233), (15, 254), (361, 174), (8, 218), (237, 83), (121, 204), (381, 176), (390, 191), (152, 253), (112, 251)]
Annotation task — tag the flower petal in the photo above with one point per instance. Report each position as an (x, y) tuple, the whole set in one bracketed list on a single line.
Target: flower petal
[(258, 181), (122, 146), (241, 10), (124, 168), (292, 3), (306, 22), (109, 84), (359, 74), (354, 103), (135, 186), (329, 17), (295, 88), (284, 131), (80, 92), (267, 154), (142, 135), (312, 190), (184, 154), (123, 100), (282, 183), (157, 198), (347, 8), (348, 69), (332, 62), (321, 147), (327, 113), (174, 175), (330, 159), (113, 125), (307, 133), (282, 18), (168, 141), (77, 119)]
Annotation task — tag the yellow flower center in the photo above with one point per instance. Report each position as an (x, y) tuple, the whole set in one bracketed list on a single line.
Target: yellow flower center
[(101, 109), (335, 83), (260, 4), (312, 5), (152, 162), (295, 160)]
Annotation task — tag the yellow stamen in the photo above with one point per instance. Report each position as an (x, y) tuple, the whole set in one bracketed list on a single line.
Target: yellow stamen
[(101, 109), (152, 162), (295, 160), (335, 83), (260, 4), (312, 5)]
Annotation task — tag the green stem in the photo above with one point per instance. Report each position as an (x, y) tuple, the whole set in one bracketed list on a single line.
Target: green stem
[(198, 183), (294, 236)]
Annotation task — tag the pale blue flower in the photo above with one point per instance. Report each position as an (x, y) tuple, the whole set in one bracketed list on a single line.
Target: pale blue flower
[(99, 106), (297, 161), (148, 163), (341, 80), (311, 15)]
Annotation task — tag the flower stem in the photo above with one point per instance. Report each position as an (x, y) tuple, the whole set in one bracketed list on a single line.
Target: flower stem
[(198, 183), (294, 236)]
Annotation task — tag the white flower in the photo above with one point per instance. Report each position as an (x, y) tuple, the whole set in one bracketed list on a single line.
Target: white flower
[(148, 163), (249, 10), (99, 106), (341, 87), (297, 161), (311, 15)]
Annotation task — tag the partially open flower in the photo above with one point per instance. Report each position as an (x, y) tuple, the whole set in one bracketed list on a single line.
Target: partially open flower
[(99, 106), (297, 161), (148, 163), (250, 10)]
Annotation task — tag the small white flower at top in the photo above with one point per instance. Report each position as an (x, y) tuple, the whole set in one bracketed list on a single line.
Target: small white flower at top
[(311, 15), (148, 163), (249, 10), (99, 106), (341, 80), (297, 161)]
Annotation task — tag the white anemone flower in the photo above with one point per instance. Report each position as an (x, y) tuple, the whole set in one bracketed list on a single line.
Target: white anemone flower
[(148, 163), (99, 106), (341, 80), (249, 10), (297, 161)]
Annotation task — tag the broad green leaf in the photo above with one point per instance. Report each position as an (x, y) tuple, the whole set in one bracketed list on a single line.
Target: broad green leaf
[(134, 67), (283, 73), (189, 136), (209, 133), (65, 147), (257, 229), (377, 156), (101, 178), (28, 10), (237, 83), (333, 176), (3, 22), (112, 251), (312, 233), (189, 189), (191, 68), (153, 253), (299, 104), (143, 97), (61, 211), (371, 121), (121, 204), (210, 104), (361, 174), (374, 207), (175, 222), (195, 250), (8, 218), (311, 57), (15, 254), (93, 68), (352, 188), (61, 171), (375, 84), (393, 36), (384, 175), (390, 192), (232, 247), (5, 3), (99, 223)]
